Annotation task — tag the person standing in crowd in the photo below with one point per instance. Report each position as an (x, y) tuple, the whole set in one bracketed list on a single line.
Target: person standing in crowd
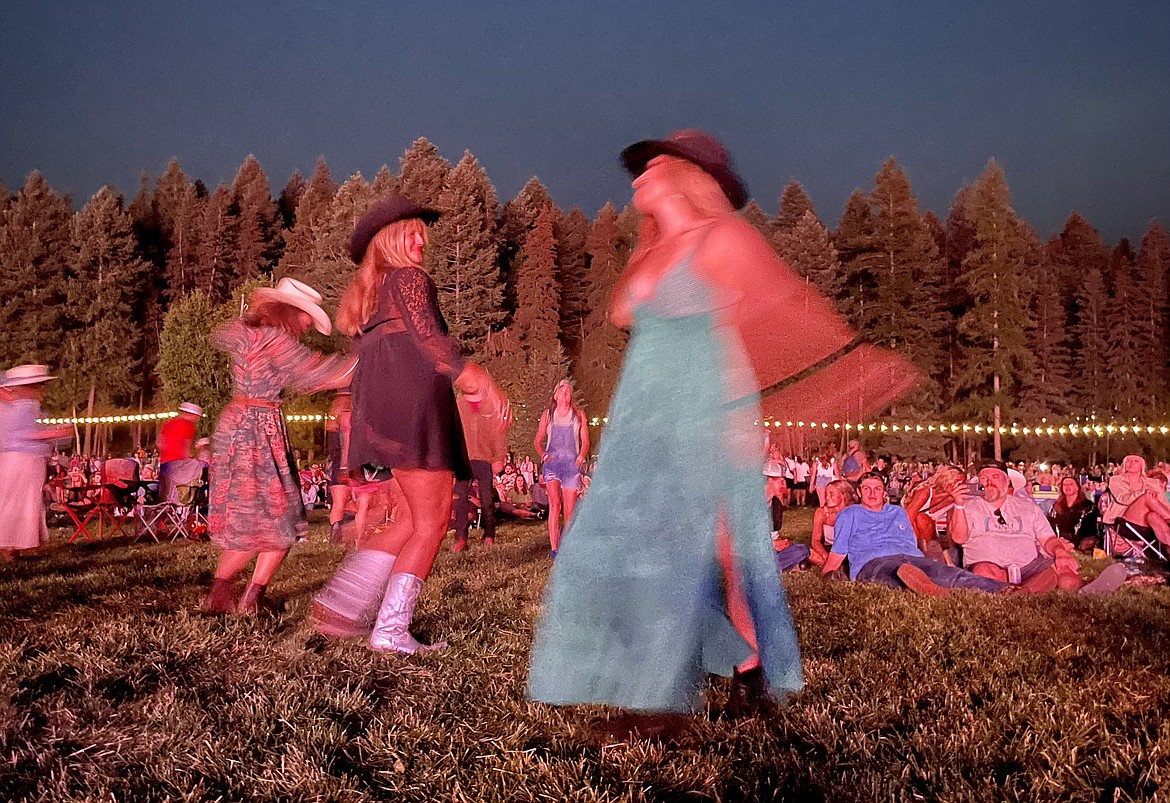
[(776, 492), (255, 509), (337, 449), (824, 472), (528, 469), (855, 462), (413, 433), (632, 613), (24, 454), (487, 449), (800, 474), (562, 442), (176, 437)]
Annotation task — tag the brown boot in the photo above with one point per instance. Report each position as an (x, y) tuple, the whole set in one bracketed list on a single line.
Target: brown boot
[(255, 602), (916, 580), (220, 598), (748, 696)]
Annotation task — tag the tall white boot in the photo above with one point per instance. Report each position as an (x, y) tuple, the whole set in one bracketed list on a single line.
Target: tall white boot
[(392, 630), (348, 603)]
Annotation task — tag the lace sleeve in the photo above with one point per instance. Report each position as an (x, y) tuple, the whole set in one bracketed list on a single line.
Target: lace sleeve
[(418, 301)]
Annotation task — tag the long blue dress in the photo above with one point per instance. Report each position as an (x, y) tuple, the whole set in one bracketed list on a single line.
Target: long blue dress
[(634, 614)]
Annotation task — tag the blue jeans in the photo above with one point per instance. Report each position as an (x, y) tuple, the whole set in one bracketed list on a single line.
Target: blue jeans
[(791, 556), (885, 571)]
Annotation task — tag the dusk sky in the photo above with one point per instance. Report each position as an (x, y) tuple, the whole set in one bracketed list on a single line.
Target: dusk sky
[(1073, 98)]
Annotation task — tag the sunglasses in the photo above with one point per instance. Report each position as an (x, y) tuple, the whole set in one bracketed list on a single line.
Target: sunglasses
[(999, 517)]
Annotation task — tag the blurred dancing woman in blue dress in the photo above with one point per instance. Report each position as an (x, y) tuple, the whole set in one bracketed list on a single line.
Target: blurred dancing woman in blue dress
[(669, 572)]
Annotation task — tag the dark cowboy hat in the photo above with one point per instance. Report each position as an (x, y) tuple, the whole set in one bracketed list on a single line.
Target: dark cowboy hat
[(389, 210), (697, 147)]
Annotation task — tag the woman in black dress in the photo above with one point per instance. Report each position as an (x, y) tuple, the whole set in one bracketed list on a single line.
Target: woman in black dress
[(404, 418)]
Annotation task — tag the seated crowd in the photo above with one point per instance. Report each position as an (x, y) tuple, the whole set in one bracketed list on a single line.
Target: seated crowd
[(996, 528)]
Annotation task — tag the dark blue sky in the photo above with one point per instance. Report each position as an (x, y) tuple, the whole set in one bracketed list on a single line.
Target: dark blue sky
[(1073, 98)]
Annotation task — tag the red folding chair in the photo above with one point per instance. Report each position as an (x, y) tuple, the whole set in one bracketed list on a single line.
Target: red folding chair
[(82, 503)]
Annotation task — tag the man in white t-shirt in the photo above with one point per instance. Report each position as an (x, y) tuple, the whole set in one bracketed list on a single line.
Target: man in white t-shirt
[(1001, 534)]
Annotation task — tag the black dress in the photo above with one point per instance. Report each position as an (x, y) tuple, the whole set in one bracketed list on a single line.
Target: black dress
[(404, 413)]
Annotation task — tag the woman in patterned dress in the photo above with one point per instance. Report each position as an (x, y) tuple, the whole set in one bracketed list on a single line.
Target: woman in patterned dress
[(404, 422), (256, 509)]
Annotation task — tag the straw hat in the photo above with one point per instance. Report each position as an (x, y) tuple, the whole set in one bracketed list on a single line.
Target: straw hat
[(697, 147), (192, 408), (25, 375), (299, 295)]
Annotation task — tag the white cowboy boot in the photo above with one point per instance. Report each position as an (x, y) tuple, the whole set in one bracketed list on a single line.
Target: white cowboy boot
[(392, 630), (348, 603)]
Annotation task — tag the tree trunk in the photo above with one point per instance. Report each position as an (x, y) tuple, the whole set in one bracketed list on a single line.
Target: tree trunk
[(89, 414)]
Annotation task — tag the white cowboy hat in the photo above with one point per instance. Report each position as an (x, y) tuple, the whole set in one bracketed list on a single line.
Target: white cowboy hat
[(299, 295), (25, 375), (192, 408)]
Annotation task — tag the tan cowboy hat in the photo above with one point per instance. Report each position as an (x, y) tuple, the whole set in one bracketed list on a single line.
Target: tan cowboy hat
[(192, 408), (25, 375), (299, 295)]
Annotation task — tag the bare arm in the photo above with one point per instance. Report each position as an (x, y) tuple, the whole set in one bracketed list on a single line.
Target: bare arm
[(957, 526), (833, 563), (584, 453), (541, 435)]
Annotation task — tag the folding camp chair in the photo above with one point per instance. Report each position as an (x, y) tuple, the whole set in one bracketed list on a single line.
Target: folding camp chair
[(1123, 538), (179, 506), (82, 504)]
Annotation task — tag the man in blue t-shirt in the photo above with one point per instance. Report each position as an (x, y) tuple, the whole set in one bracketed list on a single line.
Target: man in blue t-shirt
[(879, 542)]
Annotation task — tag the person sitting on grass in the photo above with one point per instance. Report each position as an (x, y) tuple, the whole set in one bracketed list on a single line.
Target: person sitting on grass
[(839, 494), (927, 503), (1002, 534), (880, 544)]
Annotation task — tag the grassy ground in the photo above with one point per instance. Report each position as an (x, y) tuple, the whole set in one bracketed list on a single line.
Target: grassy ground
[(114, 687)]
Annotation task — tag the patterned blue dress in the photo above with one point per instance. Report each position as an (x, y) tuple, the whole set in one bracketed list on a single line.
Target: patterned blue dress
[(634, 611)]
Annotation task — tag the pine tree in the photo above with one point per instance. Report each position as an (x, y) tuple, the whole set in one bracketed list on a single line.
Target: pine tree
[(516, 220), (794, 203), (290, 196), (256, 239), (994, 358), (1152, 307), (179, 207), (857, 249), (216, 271), (1047, 391), (599, 364), (328, 267), (102, 289), (311, 220), (1126, 372), (808, 249), (150, 300), (190, 367), (907, 312), (384, 183), (572, 257), (537, 320), (464, 252), (423, 173), (937, 230), (1082, 261), (34, 266), (759, 219)]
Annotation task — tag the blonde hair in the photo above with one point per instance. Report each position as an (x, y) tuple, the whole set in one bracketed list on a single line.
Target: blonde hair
[(386, 251), (700, 190)]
